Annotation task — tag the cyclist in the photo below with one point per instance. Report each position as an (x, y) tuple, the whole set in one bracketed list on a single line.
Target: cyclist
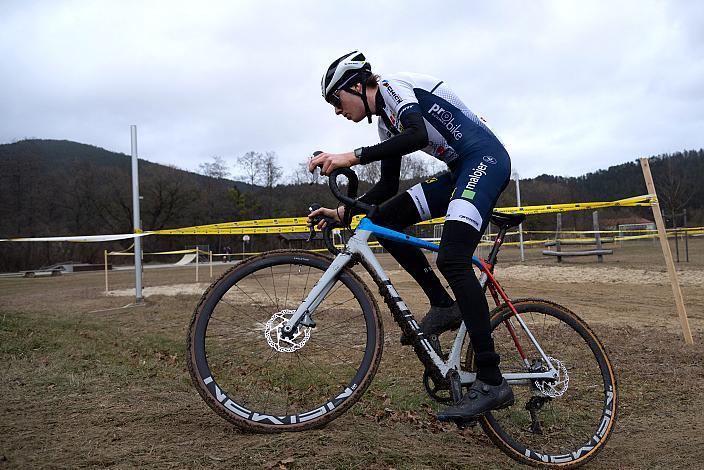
[(420, 112)]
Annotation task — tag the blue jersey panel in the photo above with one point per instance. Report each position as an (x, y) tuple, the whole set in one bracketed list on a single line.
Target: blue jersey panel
[(459, 130)]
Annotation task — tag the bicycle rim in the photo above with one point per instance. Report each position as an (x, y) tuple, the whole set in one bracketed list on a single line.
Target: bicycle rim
[(573, 424), (260, 381)]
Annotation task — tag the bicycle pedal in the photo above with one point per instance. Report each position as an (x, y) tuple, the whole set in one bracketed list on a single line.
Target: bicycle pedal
[(453, 378), (506, 404), (466, 423)]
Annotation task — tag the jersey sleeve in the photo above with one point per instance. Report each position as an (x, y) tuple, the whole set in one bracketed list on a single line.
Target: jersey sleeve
[(388, 183), (414, 136), (399, 96)]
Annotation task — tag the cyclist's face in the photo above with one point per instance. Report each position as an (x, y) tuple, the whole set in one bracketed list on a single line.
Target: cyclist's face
[(351, 106)]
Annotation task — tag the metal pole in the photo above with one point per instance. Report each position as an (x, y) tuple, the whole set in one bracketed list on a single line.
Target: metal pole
[(197, 256), (558, 229), (106, 272), (139, 299), (686, 238), (597, 236), (520, 226), (677, 242)]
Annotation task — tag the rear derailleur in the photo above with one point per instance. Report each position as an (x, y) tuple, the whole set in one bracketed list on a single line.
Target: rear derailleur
[(536, 402)]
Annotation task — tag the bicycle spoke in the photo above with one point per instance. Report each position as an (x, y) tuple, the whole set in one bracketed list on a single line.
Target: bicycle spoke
[(305, 287), (334, 306), (254, 302), (305, 356), (273, 285), (288, 283), (256, 278), (343, 322)]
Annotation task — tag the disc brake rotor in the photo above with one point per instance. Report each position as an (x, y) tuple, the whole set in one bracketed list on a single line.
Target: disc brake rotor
[(273, 333), (554, 388)]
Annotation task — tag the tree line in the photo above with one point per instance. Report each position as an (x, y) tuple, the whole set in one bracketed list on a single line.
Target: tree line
[(61, 188)]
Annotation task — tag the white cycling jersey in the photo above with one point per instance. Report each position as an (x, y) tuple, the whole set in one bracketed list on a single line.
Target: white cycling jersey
[(452, 127)]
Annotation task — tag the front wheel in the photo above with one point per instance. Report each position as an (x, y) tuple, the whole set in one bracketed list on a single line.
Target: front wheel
[(260, 380), (553, 423)]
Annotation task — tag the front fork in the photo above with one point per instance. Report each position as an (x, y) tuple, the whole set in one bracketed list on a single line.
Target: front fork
[(302, 316)]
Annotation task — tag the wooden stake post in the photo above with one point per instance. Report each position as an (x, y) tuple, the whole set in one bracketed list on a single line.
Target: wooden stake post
[(662, 233)]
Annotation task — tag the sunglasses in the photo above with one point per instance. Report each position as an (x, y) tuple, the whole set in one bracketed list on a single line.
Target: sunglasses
[(335, 99)]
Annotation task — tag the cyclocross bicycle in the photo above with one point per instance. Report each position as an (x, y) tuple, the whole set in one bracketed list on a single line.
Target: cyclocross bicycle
[(289, 340)]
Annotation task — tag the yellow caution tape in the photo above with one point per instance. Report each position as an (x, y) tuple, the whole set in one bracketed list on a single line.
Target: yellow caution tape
[(175, 252), (223, 229), (298, 224)]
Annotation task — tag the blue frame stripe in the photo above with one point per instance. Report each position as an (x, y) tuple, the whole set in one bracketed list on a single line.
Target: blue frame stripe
[(388, 234)]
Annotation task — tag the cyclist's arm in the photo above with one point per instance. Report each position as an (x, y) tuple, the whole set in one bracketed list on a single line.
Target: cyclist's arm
[(387, 186), (413, 137)]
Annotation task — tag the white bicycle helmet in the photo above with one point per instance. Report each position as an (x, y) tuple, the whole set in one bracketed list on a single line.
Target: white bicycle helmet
[(346, 72)]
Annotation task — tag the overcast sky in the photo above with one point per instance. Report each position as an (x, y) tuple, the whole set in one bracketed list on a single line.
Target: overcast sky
[(569, 86)]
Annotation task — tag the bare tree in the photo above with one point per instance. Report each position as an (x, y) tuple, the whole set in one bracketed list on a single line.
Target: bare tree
[(271, 171), (301, 175), (216, 169), (675, 186), (251, 164), (370, 172), (413, 167)]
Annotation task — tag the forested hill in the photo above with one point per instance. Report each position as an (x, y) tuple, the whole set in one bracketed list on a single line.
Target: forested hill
[(677, 178), (58, 187), (54, 188)]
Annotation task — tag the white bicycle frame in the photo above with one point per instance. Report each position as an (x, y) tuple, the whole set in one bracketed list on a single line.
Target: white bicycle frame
[(358, 245)]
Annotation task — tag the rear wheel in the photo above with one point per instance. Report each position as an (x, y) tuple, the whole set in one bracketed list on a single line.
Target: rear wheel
[(556, 423), (252, 375)]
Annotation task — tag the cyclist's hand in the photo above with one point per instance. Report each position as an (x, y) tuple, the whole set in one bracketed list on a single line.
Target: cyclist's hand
[(328, 162), (335, 214)]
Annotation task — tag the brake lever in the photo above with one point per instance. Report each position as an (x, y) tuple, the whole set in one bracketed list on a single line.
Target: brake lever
[(329, 221), (314, 220), (316, 170)]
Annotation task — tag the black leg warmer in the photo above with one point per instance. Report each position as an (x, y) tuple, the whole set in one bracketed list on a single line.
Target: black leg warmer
[(458, 243)]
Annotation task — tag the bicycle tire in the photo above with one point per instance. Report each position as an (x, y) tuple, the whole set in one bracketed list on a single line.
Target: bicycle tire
[(253, 381), (576, 425)]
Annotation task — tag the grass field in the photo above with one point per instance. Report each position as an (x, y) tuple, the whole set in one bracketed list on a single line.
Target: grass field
[(87, 383)]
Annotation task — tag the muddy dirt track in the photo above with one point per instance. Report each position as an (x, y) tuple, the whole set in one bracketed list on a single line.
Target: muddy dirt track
[(85, 383)]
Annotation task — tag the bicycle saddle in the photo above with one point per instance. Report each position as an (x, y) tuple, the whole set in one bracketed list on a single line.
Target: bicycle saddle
[(507, 220)]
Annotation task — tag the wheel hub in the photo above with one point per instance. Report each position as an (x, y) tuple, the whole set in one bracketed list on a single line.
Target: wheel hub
[(273, 332), (555, 388)]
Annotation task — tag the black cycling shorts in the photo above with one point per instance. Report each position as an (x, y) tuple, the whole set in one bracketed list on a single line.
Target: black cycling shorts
[(469, 191)]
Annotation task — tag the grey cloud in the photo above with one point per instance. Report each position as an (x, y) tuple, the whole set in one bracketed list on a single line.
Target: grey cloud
[(570, 87)]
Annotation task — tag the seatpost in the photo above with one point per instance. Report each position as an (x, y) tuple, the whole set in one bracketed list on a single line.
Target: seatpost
[(493, 254)]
